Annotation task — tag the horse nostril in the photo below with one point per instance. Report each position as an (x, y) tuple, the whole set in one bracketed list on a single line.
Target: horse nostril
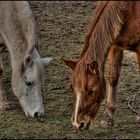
[(28, 83), (36, 114), (40, 116), (81, 125)]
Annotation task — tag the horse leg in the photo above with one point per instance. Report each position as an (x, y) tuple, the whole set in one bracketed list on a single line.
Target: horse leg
[(115, 59), (3, 100), (138, 58)]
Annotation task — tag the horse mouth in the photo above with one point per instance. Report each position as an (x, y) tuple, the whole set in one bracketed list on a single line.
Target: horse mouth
[(84, 126), (40, 116)]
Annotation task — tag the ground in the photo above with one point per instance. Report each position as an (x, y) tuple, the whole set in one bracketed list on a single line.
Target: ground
[(62, 28)]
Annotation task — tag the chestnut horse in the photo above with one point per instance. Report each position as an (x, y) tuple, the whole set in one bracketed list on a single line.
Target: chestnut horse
[(115, 27)]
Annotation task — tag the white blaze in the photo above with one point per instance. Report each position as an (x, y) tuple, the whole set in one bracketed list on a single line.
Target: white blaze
[(76, 111)]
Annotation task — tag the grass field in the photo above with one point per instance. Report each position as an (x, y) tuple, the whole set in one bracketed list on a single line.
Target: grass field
[(62, 28)]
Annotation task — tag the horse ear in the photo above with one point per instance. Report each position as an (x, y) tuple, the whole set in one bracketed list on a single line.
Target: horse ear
[(93, 66), (28, 61), (46, 61), (70, 63)]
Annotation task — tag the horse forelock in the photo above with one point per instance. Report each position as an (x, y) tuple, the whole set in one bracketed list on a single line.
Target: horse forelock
[(80, 74), (39, 71)]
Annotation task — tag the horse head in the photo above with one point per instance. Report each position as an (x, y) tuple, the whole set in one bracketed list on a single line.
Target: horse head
[(88, 91)]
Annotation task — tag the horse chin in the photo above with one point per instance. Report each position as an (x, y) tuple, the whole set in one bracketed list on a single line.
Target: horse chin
[(29, 114), (89, 122), (89, 125)]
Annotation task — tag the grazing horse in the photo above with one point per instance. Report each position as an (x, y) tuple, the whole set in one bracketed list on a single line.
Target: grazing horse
[(18, 33), (115, 27)]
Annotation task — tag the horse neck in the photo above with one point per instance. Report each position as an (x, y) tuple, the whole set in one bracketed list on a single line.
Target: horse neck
[(103, 31)]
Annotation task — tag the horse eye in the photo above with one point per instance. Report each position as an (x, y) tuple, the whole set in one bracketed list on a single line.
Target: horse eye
[(90, 92)]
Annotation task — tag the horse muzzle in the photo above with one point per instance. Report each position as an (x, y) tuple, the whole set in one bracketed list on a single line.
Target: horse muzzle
[(40, 116)]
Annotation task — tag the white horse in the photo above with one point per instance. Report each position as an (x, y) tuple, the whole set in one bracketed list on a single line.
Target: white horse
[(18, 33)]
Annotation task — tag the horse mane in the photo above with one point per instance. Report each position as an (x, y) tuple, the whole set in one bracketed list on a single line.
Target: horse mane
[(98, 11), (104, 29), (32, 42)]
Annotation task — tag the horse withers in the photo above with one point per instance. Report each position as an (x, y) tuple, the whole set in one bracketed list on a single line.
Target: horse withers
[(115, 27), (18, 33)]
